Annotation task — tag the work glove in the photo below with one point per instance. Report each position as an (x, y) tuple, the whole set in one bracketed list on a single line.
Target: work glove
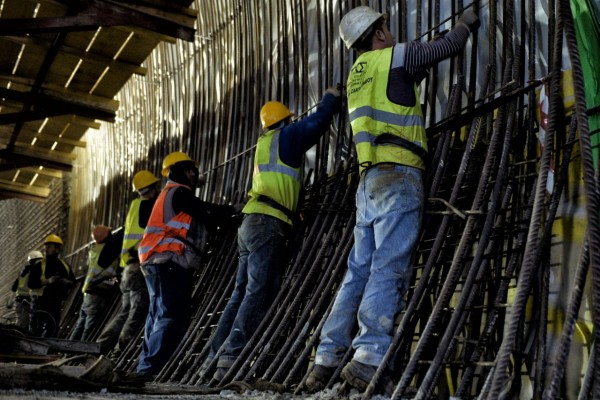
[(338, 97), (334, 91), (470, 19)]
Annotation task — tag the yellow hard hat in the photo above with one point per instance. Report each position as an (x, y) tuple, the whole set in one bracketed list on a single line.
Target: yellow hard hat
[(172, 159), (52, 238), (143, 179), (356, 22), (273, 112)]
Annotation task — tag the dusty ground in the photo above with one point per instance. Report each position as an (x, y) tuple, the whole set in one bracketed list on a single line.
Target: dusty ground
[(19, 394)]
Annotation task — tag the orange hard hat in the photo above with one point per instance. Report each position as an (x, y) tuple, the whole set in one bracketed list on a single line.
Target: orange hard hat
[(100, 233)]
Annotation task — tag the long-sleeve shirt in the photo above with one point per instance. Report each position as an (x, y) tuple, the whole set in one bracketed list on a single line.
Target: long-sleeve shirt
[(145, 211), (111, 250), (209, 214), (295, 139), (420, 56), (54, 267)]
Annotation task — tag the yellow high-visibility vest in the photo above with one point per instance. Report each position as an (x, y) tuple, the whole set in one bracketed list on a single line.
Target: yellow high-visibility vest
[(40, 291), (95, 272), (274, 179), (373, 113), (133, 231)]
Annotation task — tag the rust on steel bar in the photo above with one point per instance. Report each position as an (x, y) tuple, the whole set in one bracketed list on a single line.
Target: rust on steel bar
[(476, 269), (246, 54), (466, 241)]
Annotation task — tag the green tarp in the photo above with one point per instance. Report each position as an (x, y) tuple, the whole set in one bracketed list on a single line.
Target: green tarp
[(586, 15)]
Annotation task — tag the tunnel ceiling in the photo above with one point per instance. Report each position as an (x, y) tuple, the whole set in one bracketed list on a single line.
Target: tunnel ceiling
[(62, 63)]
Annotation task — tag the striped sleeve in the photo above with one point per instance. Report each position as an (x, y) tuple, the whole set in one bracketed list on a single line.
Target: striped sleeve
[(420, 56)]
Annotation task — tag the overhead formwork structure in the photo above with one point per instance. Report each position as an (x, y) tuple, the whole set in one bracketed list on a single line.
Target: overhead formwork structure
[(505, 279)]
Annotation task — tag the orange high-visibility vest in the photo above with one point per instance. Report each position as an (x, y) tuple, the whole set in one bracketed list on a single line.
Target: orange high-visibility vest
[(162, 236)]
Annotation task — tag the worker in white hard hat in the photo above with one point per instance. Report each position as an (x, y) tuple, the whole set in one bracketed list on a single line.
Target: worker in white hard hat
[(389, 134), (134, 293), (99, 284), (21, 289), (50, 281)]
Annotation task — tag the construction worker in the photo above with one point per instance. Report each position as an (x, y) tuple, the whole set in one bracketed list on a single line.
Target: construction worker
[(268, 220), (21, 289), (134, 294), (103, 261), (50, 280), (389, 133), (170, 251)]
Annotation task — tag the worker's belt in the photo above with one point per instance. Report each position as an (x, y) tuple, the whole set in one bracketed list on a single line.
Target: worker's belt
[(388, 138), (288, 213)]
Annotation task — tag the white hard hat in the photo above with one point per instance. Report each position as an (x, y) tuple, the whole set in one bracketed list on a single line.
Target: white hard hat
[(356, 22), (34, 254)]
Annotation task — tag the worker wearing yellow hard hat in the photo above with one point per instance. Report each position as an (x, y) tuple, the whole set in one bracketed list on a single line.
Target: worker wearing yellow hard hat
[(270, 213), (170, 251), (50, 280), (134, 293)]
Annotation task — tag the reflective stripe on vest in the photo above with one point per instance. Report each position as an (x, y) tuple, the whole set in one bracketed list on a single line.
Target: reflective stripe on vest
[(372, 113), (96, 272), (273, 178), (162, 236), (40, 291), (133, 231)]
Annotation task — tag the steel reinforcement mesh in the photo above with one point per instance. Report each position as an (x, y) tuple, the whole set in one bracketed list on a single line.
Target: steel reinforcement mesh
[(503, 255)]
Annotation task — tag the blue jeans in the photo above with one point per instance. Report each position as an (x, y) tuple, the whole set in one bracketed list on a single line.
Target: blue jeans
[(90, 316), (389, 203), (262, 242), (169, 289)]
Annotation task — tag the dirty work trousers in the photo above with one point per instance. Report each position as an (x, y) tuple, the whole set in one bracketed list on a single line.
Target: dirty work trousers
[(389, 206), (134, 308), (90, 316)]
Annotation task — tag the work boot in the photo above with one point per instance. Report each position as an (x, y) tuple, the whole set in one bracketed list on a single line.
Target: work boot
[(223, 365), (220, 373), (318, 377), (358, 374)]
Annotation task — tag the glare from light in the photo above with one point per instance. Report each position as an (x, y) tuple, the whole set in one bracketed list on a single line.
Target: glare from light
[(73, 73), (41, 128), (89, 46), (14, 71), (99, 80), (34, 179)]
